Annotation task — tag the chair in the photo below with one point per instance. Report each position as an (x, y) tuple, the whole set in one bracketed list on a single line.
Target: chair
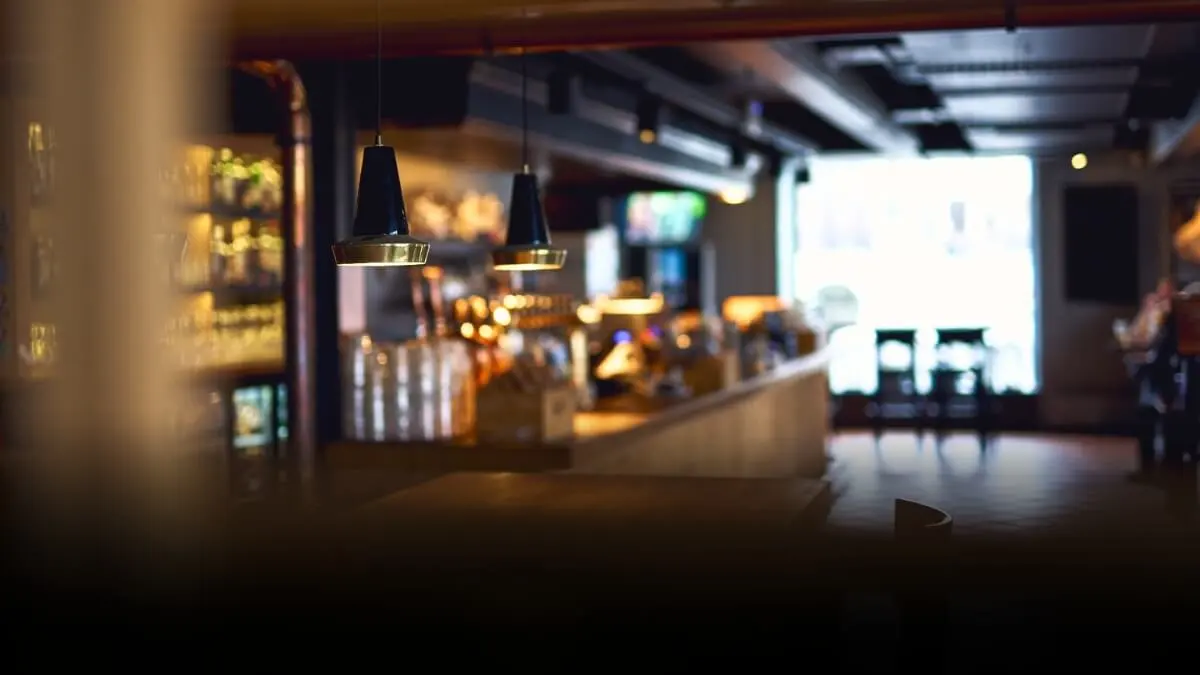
[(922, 531), (919, 522), (896, 396), (947, 378)]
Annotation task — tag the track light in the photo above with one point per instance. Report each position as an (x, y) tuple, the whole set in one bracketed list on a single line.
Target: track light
[(649, 119), (563, 93)]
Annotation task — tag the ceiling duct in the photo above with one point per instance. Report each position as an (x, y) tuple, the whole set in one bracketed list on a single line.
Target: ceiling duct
[(797, 70)]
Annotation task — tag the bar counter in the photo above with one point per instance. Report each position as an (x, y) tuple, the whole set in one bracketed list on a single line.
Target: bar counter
[(771, 426)]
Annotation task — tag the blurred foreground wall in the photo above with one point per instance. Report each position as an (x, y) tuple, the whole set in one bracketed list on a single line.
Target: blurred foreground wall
[(105, 477)]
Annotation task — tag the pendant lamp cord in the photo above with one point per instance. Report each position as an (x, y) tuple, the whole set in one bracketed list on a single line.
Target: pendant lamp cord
[(524, 99), (378, 74)]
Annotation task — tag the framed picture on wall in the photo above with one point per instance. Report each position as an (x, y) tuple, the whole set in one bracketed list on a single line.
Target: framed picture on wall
[(1100, 243)]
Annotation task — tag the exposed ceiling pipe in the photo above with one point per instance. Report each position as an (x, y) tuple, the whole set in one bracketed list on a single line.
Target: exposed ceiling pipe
[(1172, 140), (601, 137), (797, 70), (677, 92), (319, 35)]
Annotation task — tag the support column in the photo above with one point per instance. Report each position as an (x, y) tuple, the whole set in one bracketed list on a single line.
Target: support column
[(753, 243), (333, 168)]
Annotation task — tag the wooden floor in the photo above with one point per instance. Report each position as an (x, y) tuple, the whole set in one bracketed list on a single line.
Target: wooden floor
[(1019, 485)]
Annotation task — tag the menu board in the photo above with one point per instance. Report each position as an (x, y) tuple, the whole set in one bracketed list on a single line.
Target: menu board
[(663, 218)]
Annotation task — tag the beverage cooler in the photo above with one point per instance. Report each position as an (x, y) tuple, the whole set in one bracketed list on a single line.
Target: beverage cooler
[(242, 427), (230, 328), (660, 237)]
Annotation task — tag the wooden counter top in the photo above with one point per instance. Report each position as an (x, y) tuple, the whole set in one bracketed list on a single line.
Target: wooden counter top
[(623, 428)]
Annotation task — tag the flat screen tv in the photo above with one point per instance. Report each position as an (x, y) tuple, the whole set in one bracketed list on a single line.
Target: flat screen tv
[(662, 218)]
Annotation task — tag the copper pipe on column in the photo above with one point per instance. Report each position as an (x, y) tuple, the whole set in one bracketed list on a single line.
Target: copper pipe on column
[(295, 142)]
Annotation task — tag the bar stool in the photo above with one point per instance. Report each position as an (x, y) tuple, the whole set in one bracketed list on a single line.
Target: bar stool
[(948, 377), (896, 396)]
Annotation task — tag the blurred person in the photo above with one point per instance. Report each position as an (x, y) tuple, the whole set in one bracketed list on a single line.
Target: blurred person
[(1150, 355)]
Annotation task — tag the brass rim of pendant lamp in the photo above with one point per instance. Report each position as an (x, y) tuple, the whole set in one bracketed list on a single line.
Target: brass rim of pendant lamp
[(528, 258), (387, 250)]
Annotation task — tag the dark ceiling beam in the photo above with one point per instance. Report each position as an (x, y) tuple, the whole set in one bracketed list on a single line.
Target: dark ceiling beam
[(798, 71), (680, 93), (605, 138), (279, 30)]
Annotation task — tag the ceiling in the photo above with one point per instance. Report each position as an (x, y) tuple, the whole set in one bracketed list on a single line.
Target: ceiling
[(1032, 90), (781, 78)]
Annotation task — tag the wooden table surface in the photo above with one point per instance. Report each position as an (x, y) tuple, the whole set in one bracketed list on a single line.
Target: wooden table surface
[(602, 520), (626, 500)]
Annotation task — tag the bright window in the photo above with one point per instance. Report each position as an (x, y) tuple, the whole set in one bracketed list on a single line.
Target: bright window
[(922, 243)]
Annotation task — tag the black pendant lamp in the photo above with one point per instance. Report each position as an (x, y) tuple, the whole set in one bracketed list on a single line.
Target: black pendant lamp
[(527, 244), (381, 236)]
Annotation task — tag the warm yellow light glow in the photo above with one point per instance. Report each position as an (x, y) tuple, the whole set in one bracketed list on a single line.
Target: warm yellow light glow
[(625, 359), (744, 310), (735, 195), (647, 136), (683, 342), (525, 267), (501, 316), (588, 314), (631, 306), (380, 264), (508, 344), (467, 330), (511, 301), (1079, 161), (480, 307), (42, 343), (487, 332)]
